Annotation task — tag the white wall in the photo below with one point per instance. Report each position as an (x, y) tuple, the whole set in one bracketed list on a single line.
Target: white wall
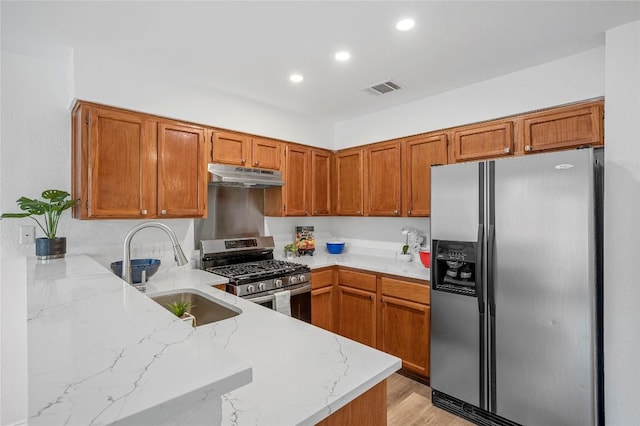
[(622, 233), (105, 81), (562, 81)]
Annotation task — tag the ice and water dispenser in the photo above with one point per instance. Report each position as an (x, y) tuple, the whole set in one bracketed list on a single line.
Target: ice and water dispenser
[(456, 268)]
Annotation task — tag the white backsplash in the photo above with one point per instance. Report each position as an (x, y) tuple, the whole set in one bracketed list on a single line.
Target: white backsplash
[(374, 236)]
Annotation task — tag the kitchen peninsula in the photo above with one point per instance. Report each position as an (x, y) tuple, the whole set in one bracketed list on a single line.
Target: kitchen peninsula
[(100, 352)]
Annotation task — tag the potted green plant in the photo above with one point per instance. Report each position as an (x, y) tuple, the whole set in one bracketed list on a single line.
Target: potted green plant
[(55, 202), (180, 308), (290, 250)]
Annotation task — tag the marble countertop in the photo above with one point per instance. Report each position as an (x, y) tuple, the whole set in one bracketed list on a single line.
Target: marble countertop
[(386, 265), (100, 351)]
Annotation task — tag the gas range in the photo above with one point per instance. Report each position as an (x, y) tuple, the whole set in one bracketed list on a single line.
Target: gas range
[(249, 265)]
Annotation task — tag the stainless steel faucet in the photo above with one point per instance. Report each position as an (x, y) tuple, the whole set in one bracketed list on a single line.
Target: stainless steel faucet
[(126, 260)]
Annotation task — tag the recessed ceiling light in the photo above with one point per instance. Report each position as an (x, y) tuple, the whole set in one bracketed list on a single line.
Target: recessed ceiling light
[(405, 24), (342, 56), (296, 78)]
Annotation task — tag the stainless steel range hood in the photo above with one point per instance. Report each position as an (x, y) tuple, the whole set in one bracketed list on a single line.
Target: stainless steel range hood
[(244, 177)]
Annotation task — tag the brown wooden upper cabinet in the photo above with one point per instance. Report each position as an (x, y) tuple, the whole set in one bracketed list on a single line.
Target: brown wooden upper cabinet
[(245, 150), (563, 128), (383, 179), (135, 166), (320, 182), (182, 188), (349, 182), (418, 154), (489, 140), (297, 178), (306, 190)]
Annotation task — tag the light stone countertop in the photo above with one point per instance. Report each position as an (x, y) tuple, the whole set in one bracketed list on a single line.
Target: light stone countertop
[(101, 352), (387, 265)]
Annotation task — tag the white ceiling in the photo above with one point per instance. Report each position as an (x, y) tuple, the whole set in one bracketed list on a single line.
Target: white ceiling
[(249, 48)]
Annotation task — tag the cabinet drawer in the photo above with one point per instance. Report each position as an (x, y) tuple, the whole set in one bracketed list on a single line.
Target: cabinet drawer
[(406, 290), (357, 280), (322, 278)]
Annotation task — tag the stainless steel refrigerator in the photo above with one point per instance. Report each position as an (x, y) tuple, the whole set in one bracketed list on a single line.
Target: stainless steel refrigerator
[(516, 289)]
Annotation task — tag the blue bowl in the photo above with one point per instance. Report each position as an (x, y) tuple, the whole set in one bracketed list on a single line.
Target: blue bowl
[(335, 247), (137, 266)]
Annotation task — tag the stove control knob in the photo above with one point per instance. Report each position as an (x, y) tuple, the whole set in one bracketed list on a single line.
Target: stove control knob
[(278, 283), (262, 286), (302, 278), (293, 280), (251, 288)]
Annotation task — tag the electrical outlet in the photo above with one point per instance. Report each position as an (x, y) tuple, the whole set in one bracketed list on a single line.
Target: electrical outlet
[(27, 235)]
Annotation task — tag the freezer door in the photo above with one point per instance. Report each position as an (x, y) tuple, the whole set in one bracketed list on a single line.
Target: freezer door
[(544, 288), (455, 193), (457, 199), (455, 346)]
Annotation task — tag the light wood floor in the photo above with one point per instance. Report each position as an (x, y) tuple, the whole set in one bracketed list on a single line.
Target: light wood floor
[(409, 404)]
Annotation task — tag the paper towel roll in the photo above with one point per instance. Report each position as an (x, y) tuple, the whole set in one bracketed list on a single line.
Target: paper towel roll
[(282, 302)]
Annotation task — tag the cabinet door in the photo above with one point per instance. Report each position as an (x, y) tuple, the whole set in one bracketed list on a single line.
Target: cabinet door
[(357, 315), (230, 148), (405, 332), (182, 176), (349, 182), (565, 128), (297, 178), (320, 182), (121, 165), (477, 142), (383, 179), (322, 307), (265, 153), (418, 156)]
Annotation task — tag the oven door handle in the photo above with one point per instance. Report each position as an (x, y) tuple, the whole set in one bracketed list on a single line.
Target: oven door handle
[(298, 290)]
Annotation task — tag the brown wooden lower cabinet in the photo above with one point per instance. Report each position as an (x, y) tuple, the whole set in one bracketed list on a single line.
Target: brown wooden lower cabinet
[(385, 312), (369, 409), (357, 315), (405, 328), (322, 304), (323, 301)]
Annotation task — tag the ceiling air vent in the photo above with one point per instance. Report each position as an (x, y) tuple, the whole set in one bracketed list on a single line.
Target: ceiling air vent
[(384, 87)]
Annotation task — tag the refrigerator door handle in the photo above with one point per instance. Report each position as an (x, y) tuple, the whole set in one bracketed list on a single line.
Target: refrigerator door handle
[(479, 284), (490, 248)]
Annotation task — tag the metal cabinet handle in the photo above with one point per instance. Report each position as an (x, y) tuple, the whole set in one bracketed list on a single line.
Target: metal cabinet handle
[(257, 162), (409, 212), (507, 150), (395, 212), (527, 148), (163, 212), (315, 212), (358, 211), (143, 211), (243, 161)]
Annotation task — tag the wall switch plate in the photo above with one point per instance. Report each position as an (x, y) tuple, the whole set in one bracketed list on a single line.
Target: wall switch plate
[(27, 235)]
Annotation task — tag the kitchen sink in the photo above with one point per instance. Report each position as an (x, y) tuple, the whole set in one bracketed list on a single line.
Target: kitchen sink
[(203, 308)]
